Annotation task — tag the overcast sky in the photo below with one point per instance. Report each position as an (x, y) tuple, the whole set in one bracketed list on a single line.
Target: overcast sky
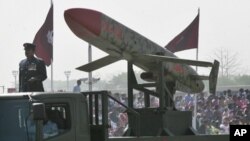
[(224, 24)]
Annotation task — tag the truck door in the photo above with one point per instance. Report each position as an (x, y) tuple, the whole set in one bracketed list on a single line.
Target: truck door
[(58, 123)]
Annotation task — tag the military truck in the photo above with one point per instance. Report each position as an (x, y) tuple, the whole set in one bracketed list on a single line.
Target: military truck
[(84, 117)]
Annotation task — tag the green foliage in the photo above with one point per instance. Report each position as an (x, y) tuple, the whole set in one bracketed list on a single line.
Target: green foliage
[(244, 80), (119, 83), (222, 81), (234, 80)]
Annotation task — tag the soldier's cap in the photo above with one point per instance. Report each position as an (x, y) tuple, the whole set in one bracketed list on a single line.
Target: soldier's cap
[(28, 46)]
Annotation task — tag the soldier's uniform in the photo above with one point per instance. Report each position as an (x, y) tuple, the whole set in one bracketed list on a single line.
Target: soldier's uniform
[(32, 72), (33, 68)]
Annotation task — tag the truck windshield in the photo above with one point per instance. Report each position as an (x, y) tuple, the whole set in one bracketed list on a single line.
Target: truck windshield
[(13, 117)]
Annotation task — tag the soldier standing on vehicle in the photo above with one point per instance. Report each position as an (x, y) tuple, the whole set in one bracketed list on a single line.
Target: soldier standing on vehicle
[(32, 71)]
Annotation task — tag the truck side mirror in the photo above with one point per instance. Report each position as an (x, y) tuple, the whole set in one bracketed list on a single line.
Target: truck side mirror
[(39, 111)]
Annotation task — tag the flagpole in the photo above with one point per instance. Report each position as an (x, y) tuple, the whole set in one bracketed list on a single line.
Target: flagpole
[(197, 49), (90, 73), (52, 79), (197, 57), (195, 96)]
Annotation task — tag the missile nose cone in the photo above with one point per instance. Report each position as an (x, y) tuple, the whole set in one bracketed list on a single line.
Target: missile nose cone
[(89, 19)]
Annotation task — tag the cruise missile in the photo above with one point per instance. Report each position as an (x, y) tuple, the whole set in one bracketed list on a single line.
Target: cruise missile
[(121, 42)]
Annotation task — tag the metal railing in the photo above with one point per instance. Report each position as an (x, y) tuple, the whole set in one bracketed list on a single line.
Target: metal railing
[(98, 109)]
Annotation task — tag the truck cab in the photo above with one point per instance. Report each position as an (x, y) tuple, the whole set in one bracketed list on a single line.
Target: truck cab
[(67, 110)]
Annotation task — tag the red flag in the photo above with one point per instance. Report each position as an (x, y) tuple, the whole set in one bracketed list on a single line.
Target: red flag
[(44, 39), (187, 39)]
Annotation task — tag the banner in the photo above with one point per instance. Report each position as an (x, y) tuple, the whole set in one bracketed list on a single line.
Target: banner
[(187, 39), (44, 39)]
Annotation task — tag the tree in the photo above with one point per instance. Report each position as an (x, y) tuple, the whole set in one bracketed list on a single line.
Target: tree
[(243, 80), (119, 81), (229, 63)]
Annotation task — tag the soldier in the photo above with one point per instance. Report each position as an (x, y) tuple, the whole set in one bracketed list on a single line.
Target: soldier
[(32, 71)]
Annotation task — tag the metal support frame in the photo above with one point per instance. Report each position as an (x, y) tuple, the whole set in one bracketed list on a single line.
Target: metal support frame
[(130, 85), (147, 99), (163, 91), (164, 116), (99, 123), (160, 86), (99, 130)]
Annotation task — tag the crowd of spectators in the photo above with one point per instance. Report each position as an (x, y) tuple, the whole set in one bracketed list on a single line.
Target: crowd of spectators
[(118, 118), (216, 112)]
